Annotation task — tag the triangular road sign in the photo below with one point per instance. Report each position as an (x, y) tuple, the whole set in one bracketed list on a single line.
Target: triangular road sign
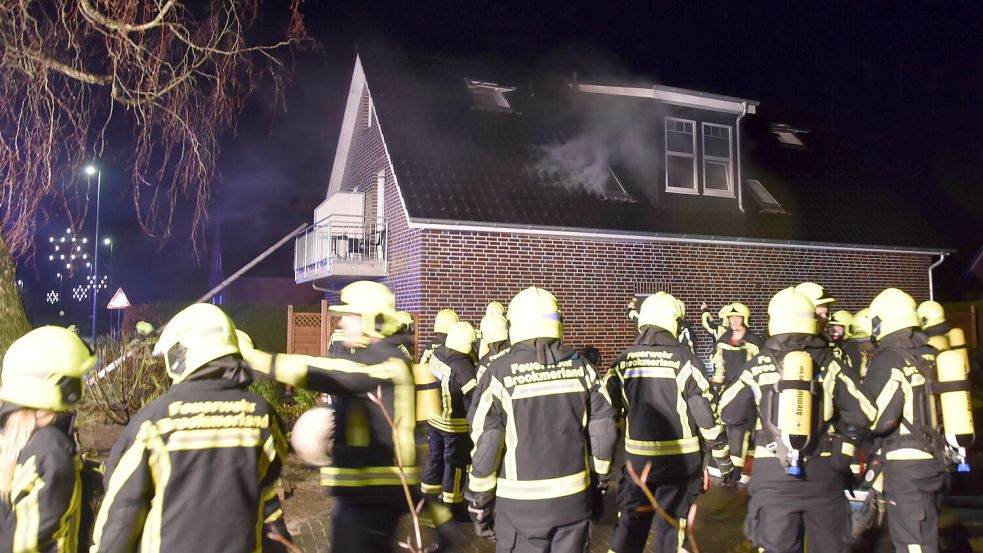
[(119, 300)]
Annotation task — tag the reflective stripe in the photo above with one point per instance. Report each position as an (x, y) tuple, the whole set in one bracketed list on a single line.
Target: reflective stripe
[(908, 454), (665, 447), (548, 488), (456, 426), (468, 386), (601, 466), (211, 438), (367, 476), (27, 508), (849, 449), (650, 372), (430, 488), (914, 548), (549, 388), (128, 465), (275, 515), (479, 484)]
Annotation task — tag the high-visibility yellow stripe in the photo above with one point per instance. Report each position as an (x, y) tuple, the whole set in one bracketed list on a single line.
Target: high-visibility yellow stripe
[(430, 488), (511, 436), (454, 425), (482, 484), (159, 463), (601, 466), (275, 515), (649, 372), (554, 387), (476, 482), (213, 438), (469, 385), (914, 548), (367, 476), (848, 449), (663, 447), (548, 488), (908, 454)]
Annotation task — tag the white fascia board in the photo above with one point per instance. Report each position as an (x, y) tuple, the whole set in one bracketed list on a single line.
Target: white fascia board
[(347, 128), (675, 97), (627, 236)]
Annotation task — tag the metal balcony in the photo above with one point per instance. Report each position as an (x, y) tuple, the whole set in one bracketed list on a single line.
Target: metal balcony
[(341, 247)]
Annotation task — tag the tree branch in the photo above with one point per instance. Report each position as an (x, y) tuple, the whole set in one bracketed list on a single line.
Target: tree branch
[(92, 13), (68, 71)]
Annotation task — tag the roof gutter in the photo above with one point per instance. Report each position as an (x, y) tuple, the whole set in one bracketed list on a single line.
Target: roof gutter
[(931, 277), (597, 234), (740, 180)]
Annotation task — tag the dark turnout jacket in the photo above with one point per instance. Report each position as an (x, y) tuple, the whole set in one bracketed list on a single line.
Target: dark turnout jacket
[(196, 470), (455, 372), (45, 498), (542, 424), (661, 387)]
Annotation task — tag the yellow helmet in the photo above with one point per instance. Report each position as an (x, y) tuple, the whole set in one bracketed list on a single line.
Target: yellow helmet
[(737, 308), (494, 328), (891, 311), (791, 312), (444, 319), (661, 310), (374, 302), (816, 294), (43, 369), (842, 318), (244, 341), (680, 308), (197, 335), (860, 325), (931, 313), (461, 337), (534, 313), (496, 308)]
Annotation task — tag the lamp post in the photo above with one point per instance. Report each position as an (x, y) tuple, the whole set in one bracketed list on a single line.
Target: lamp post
[(89, 171)]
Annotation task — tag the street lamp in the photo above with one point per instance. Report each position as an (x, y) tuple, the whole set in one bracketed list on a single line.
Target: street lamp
[(89, 171)]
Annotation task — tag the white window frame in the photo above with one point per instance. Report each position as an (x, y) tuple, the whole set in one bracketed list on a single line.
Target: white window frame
[(369, 114), (728, 161), (676, 189)]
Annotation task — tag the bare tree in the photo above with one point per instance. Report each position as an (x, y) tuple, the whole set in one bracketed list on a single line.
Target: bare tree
[(161, 80)]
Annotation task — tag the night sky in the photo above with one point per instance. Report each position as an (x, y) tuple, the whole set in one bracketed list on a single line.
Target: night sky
[(895, 86)]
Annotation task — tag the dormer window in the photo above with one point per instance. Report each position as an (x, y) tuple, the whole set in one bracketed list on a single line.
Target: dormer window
[(681, 156), (788, 135), (718, 163), (490, 96)]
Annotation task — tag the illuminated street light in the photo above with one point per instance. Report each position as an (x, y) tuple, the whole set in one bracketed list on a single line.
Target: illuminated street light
[(91, 170)]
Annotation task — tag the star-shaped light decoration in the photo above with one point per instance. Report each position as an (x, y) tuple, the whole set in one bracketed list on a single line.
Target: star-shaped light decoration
[(52, 297)]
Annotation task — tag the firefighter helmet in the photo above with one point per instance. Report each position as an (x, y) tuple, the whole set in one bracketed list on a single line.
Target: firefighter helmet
[(931, 313), (405, 321), (444, 319), (816, 294), (312, 436), (494, 328), (680, 308), (197, 335), (374, 302), (891, 311), (496, 308), (661, 310), (534, 313), (245, 342), (43, 369), (735, 309), (791, 312), (461, 337), (860, 325)]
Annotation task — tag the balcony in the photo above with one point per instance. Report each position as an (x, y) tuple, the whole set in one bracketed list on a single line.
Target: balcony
[(341, 247)]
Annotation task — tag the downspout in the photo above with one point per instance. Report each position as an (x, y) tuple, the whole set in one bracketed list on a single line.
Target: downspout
[(740, 188), (931, 280)]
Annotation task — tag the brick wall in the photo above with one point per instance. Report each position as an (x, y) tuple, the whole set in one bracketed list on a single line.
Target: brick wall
[(593, 279)]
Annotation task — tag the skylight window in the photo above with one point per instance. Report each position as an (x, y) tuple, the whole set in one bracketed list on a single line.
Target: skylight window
[(764, 198), (789, 135), (490, 96)]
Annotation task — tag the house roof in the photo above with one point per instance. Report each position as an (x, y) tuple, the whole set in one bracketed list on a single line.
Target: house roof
[(459, 165)]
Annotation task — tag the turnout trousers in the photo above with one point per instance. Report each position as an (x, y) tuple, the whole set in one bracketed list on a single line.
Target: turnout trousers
[(635, 513), (912, 490), (738, 439), (569, 538), (447, 465), (784, 513)]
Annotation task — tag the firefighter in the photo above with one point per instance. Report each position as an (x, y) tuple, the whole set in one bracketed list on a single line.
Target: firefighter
[(198, 468), (442, 323), (41, 493), (369, 455), (838, 332), (899, 374), (931, 314), (494, 330), (685, 334), (447, 432), (734, 347), (544, 437), (802, 394), (820, 298), (661, 388), (858, 345)]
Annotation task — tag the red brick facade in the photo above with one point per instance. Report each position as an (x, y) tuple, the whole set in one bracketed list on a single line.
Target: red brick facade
[(593, 279)]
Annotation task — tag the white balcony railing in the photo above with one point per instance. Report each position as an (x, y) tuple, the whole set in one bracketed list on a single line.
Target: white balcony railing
[(341, 246)]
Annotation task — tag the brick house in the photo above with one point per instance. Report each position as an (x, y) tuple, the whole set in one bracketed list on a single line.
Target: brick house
[(458, 183)]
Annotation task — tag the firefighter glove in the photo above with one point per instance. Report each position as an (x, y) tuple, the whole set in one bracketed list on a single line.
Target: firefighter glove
[(481, 508), (729, 475)]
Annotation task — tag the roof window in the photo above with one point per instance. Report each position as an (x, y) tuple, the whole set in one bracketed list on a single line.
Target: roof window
[(765, 200), (788, 135), (490, 96)]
